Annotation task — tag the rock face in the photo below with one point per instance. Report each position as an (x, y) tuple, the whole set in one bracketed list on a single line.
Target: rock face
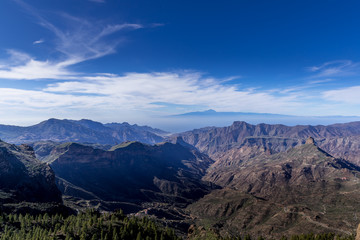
[(131, 172), (83, 131), (298, 191), (358, 233), (340, 140), (24, 178), (310, 141)]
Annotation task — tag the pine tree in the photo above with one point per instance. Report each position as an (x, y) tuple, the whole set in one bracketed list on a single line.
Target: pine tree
[(138, 237)]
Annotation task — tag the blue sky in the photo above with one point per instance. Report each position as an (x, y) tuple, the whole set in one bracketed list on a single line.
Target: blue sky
[(138, 61)]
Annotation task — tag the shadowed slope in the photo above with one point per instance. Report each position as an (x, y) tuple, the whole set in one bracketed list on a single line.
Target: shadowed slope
[(131, 172), (24, 179)]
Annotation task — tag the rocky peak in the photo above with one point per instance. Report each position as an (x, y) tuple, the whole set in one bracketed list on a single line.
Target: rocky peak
[(310, 141), (179, 140)]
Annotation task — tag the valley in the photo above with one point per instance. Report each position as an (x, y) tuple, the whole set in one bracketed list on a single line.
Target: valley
[(262, 180)]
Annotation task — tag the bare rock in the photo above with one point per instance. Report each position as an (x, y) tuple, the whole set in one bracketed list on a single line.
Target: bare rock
[(358, 233), (310, 141)]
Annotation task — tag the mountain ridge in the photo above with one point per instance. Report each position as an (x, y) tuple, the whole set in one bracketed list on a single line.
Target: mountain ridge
[(131, 172), (218, 142), (83, 131)]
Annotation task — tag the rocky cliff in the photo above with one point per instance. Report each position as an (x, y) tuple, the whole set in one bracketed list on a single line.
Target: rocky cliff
[(24, 179)]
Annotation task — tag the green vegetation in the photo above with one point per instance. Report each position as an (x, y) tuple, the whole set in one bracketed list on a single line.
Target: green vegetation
[(90, 225), (93, 225)]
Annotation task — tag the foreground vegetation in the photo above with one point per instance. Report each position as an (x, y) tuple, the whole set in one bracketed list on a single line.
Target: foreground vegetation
[(93, 225), (90, 225)]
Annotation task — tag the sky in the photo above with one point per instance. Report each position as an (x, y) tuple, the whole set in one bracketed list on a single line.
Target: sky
[(141, 61)]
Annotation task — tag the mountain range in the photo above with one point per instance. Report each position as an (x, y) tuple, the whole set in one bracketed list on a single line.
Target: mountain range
[(269, 180), (191, 120), (214, 113), (82, 131), (233, 143)]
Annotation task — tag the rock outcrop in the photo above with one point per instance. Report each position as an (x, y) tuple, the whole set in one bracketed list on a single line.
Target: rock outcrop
[(24, 179), (310, 141), (358, 233)]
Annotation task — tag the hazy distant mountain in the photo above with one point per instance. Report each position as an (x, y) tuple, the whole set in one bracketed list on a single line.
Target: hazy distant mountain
[(235, 141), (83, 131), (24, 181), (200, 119), (298, 191), (136, 128), (213, 113), (130, 173)]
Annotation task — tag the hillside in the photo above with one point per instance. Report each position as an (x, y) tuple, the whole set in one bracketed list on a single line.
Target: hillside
[(131, 172), (298, 191), (340, 140)]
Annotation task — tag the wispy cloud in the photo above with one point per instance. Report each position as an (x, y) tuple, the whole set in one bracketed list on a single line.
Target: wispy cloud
[(110, 29), (173, 88), (348, 95), (16, 57), (84, 40), (335, 68), (300, 89), (32, 99), (38, 41), (111, 92), (322, 81), (22, 66), (78, 41)]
